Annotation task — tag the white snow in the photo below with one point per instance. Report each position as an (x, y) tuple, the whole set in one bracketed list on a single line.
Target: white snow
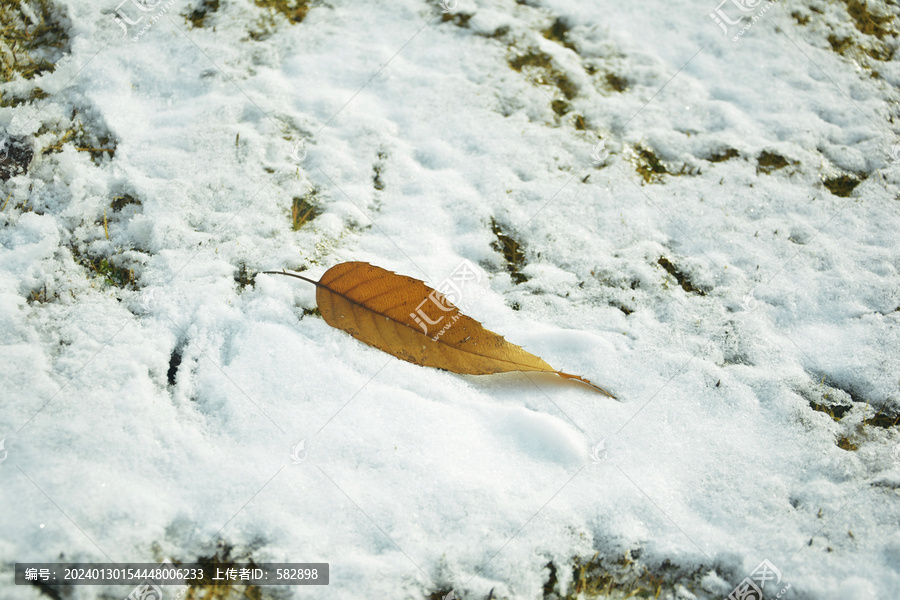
[(418, 480)]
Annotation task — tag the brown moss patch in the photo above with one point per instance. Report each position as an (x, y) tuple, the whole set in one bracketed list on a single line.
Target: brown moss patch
[(648, 165), (513, 252), (723, 155), (844, 443), (767, 162), (197, 17), (682, 279), (539, 65), (559, 33), (616, 82), (31, 46), (305, 208), (293, 10), (842, 185)]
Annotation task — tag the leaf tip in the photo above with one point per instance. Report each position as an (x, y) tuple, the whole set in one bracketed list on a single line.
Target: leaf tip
[(586, 382)]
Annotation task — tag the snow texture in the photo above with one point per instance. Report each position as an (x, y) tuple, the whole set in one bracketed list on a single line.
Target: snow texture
[(708, 270)]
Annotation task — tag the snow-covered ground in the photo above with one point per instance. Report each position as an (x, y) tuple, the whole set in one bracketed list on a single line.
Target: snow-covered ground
[(693, 242)]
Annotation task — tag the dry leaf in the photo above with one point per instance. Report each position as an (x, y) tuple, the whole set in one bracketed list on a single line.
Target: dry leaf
[(404, 317)]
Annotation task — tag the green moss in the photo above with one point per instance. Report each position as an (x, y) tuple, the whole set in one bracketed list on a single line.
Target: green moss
[(513, 252)]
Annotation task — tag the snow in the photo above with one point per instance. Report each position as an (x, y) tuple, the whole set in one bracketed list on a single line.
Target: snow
[(418, 480)]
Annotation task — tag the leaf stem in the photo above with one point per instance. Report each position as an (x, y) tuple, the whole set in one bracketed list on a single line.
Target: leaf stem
[(316, 283)]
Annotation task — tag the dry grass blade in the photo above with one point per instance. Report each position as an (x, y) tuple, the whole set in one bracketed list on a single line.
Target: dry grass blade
[(407, 319)]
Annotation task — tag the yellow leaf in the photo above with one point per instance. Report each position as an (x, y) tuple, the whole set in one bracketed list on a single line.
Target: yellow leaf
[(407, 319)]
